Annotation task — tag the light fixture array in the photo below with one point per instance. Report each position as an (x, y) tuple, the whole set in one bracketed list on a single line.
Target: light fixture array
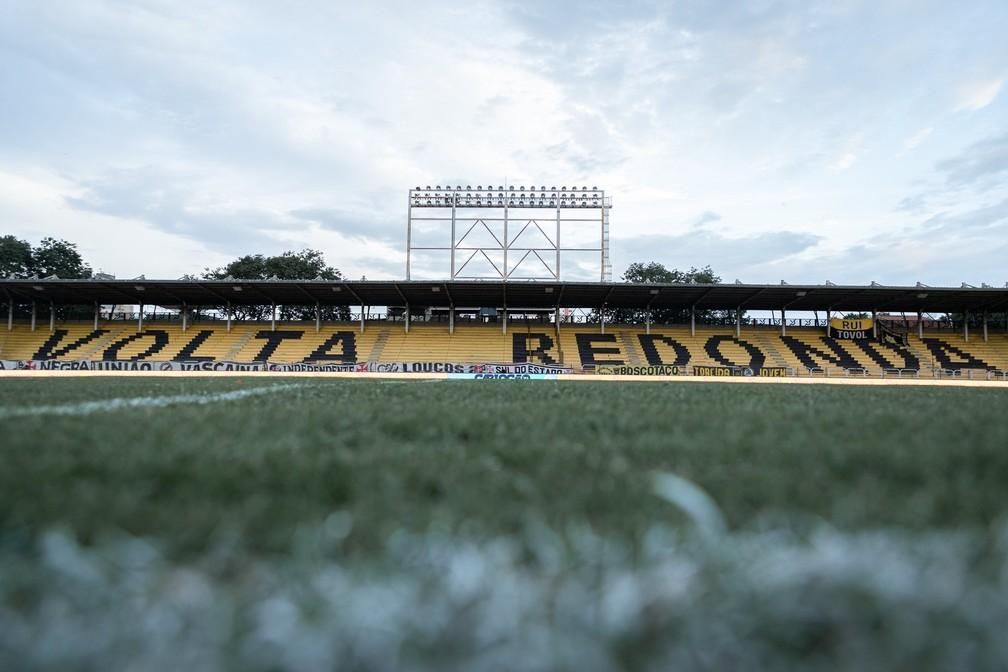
[(509, 197)]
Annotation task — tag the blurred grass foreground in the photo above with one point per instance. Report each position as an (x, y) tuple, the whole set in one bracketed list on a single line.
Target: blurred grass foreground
[(375, 526)]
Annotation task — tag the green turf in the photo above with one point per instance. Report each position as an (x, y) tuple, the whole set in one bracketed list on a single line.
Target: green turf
[(481, 458), (858, 519)]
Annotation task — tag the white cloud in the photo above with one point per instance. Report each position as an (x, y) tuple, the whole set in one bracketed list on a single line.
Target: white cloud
[(918, 138), (974, 96), (213, 131)]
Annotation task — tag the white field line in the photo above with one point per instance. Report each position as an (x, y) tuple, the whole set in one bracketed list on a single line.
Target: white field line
[(124, 403)]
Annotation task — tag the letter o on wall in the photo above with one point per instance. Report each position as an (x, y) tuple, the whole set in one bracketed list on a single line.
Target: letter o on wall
[(713, 348)]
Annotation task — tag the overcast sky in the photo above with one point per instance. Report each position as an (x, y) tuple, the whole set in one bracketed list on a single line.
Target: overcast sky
[(804, 141)]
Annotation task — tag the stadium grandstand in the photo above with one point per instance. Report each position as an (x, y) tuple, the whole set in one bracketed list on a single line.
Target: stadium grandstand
[(540, 327)]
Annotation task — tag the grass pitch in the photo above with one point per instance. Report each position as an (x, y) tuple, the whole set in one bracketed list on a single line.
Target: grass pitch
[(287, 523)]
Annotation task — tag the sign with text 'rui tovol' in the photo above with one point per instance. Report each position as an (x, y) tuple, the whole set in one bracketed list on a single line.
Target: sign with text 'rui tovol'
[(856, 328)]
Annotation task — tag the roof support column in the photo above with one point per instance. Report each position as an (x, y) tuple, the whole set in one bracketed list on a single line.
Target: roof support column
[(504, 320), (602, 318), (920, 325), (318, 318), (829, 327), (647, 322), (96, 311), (185, 317), (738, 322), (10, 314), (229, 317), (34, 311), (362, 311), (692, 321), (874, 324), (966, 326), (985, 325), (451, 319), (52, 317), (407, 318), (273, 319), (140, 319), (783, 321)]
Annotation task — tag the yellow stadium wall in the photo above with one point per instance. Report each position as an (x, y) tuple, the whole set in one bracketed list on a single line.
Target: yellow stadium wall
[(576, 346)]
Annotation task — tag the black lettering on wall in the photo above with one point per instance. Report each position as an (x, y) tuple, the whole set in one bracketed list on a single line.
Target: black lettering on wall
[(47, 350), (871, 348), (713, 349), (648, 341), (273, 340), (186, 353), (943, 352), (521, 353), (160, 341), (587, 349), (348, 355), (836, 355)]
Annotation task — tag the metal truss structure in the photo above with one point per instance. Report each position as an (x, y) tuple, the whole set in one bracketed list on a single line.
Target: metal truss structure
[(507, 219)]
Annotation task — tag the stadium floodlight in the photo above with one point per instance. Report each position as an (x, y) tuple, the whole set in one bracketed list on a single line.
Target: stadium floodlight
[(922, 295), (38, 288), (236, 288), (801, 293), (138, 288), (505, 197)]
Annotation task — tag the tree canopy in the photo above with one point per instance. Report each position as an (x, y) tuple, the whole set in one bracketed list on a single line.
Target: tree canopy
[(19, 259), (307, 264), (655, 272)]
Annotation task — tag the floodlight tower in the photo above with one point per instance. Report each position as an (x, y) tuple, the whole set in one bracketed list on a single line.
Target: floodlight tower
[(512, 217)]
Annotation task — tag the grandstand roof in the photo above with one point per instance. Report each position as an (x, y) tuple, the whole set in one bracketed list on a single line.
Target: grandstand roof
[(516, 294)]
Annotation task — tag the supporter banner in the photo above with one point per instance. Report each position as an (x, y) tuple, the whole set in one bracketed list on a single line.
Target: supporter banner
[(86, 365), (502, 376), (667, 370), (892, 338), (447, 367), (857, 329), (301, 367), (762, 372), (360, 367)]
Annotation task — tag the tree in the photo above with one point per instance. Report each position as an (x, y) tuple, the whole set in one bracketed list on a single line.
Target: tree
[(657, 273), (15, 257), (59, 258), (304, 265)]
